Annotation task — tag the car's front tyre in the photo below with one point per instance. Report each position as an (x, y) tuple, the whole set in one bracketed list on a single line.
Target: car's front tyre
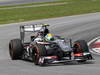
[(39, 51)]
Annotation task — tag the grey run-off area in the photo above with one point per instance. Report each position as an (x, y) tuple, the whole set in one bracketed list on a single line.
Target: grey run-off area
[(14, 2), (77, 27)]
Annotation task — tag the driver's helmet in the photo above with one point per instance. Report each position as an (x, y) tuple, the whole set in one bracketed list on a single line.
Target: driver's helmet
[(49, 37)]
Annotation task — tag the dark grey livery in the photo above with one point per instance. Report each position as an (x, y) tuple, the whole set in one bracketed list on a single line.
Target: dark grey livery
[(43, 52)]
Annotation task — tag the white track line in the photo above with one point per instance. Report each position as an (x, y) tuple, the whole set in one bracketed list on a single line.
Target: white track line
[(93, 40)]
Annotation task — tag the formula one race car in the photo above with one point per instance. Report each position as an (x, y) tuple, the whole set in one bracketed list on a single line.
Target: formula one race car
[(46, 48)]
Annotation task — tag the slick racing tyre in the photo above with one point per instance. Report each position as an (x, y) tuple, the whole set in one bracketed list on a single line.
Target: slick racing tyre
[(80, 46), (15, 49), (39, 51)]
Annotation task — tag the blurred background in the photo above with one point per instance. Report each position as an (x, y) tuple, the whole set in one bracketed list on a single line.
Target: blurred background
[(13, 2)]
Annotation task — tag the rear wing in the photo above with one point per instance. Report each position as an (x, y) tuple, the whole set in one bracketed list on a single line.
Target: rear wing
[(31, 28)]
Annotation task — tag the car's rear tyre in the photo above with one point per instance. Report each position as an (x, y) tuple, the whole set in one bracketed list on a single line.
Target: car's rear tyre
[(15, 49), (80, 46), (39, 51)]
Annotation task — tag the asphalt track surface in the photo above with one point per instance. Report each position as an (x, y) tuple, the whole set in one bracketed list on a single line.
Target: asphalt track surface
[(13, 2), (77, 27)]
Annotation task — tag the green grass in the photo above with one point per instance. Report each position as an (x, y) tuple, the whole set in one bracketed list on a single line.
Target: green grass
[(73, 7)]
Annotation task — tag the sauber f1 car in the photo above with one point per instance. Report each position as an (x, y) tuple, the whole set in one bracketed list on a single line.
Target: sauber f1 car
[(47, 48)]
